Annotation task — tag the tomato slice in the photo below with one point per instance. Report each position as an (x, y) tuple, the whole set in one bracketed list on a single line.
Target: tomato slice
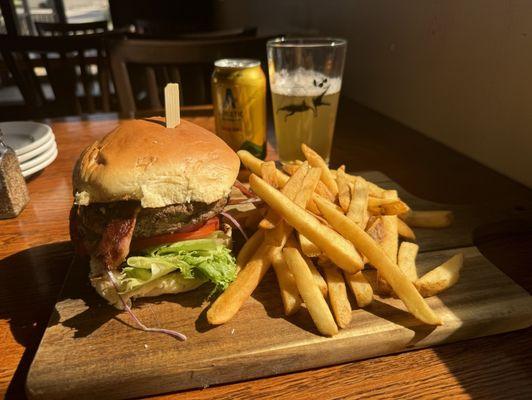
[(210, 226)]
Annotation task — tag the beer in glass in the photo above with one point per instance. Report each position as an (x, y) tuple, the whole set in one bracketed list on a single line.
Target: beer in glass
[(305, 81)]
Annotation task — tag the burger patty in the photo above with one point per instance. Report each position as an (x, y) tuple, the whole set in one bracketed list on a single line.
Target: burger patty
[(152, 221)]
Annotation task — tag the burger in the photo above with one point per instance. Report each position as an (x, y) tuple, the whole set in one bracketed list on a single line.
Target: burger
[(147, 203)]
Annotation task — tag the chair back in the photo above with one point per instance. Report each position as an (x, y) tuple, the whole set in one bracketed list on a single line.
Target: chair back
[(73, 67), (70, 29), (168, 30), (162, 60)]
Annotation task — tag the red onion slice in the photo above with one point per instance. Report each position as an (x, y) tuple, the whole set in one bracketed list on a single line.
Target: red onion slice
[(235, 222), (143, 327)]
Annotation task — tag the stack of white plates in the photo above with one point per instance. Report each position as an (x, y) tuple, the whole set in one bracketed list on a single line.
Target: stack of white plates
[(34, 144)]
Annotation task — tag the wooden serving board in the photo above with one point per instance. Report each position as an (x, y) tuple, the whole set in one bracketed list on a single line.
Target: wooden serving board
[(89, 349)]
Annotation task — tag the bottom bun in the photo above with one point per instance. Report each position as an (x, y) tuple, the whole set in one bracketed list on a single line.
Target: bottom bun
[(169, 284)]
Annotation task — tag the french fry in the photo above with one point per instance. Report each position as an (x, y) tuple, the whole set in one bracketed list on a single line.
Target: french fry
[(338, 295), (395, 207), (324, 260), (307, 188), (344, 192), (293, 162), (321, 189), (290, 168), (428, 219), (320, 218), (309, 291), (317, 276), (291, 242), (374, 189), (315, 160), (404, 289), (389, 242), (442, 277), (360, 287), (404, 230), (293, 185), (376, 230), (371, 277), (371, 220), (359, 203), (249, 248), (290, 189), (406, 259), (229, 302), (268, 172), (312, 207), (307, 247), (278, 235), (287, 284), (390, 194), (379, 201), (269, 221), (254, 165), (338, 249)]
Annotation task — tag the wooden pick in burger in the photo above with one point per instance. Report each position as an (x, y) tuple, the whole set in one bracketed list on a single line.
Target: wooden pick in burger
[(171, 104)]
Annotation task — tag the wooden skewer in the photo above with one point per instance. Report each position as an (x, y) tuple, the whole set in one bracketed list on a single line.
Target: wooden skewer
[(171, 104)]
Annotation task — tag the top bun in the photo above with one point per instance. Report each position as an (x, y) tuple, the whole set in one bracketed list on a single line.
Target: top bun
[(143, 160)]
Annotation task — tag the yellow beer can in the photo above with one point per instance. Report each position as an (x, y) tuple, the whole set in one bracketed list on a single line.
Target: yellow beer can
[(239, 99)]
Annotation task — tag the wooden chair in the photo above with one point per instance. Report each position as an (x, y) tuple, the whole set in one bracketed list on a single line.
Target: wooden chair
[(70, 29), (67, 69), (166, 30), (161, 60)]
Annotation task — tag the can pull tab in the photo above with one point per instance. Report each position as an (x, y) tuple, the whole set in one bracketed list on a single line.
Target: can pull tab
[(13, 190)]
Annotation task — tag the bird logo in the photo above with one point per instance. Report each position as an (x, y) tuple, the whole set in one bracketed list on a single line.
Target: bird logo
[(317, 101)]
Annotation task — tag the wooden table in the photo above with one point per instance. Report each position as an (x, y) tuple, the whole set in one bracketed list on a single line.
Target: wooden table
[(35, 253)]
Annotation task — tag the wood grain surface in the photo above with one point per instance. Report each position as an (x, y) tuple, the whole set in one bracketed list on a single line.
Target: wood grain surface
[(35, 255), (259, 341)]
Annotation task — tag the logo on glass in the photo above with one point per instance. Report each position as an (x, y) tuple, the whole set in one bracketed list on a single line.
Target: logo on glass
[(316, 101)]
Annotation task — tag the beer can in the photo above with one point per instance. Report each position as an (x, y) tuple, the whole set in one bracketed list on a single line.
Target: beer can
[(239, 99)]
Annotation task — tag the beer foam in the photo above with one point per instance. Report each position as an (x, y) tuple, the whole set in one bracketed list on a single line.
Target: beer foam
[(300, 82)]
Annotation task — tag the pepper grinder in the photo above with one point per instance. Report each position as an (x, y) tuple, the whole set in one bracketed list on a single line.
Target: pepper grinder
[(13, 190)]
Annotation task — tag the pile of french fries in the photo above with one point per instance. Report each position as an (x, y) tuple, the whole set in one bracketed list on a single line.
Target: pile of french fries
[(324, 231)]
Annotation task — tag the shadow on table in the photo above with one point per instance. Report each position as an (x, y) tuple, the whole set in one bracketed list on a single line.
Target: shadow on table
[(28, 290), (268, 295), (478, 364)]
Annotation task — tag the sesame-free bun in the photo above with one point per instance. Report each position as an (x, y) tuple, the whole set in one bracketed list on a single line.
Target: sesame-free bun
[(143, 160)]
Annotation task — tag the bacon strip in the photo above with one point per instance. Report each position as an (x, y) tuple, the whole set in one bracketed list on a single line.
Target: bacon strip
[(113, 247)]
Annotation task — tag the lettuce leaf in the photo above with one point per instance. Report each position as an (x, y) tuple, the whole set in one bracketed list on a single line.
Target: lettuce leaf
[(207, 259)]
